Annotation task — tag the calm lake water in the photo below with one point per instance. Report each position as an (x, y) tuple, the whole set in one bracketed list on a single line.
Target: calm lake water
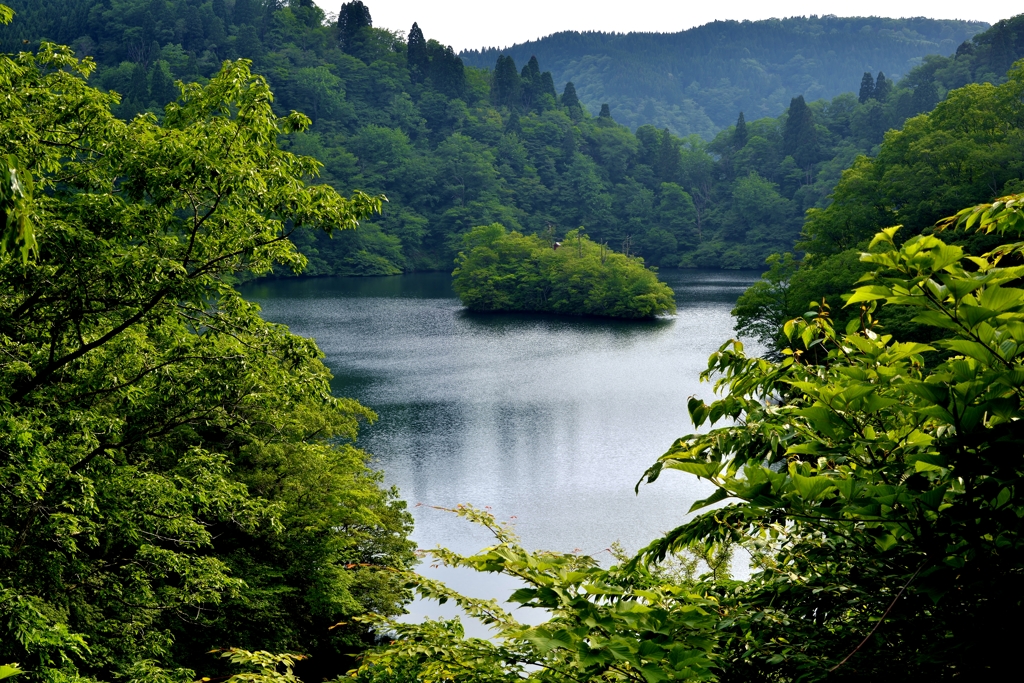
[(549, 421)]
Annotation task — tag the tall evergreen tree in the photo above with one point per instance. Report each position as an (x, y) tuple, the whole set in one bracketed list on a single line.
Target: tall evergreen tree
[(571, 102), (883, 87), (530, 83), (353, 21), (547, 85), (606, 112), (1001, 50), (505, 86), (867, 88), (799, 138), (446, 69), (220, 10), (417, 53), (532, 69), (739, 136)]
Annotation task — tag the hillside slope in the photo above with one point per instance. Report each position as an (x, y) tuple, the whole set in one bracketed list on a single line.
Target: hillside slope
[(695, 81)]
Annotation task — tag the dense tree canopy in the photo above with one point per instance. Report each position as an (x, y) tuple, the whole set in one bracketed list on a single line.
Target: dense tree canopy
[(453, 147), (502, 271), (175, 474)]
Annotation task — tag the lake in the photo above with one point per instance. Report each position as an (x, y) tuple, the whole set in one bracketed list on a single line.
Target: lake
[(549, 421)]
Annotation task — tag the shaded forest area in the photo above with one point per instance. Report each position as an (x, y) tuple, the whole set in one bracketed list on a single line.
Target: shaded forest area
[(454, 147)]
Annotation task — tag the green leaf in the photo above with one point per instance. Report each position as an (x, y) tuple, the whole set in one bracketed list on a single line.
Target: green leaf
[(1001, 299), (6, 671), (933, 498), (869, 293), (811, 488), (971, 349), (885, 541), (701, 469), (719, 495), (936, 319)]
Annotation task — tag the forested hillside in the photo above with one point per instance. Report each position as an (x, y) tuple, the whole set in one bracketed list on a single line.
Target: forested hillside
[(695, 81), (454, 147)]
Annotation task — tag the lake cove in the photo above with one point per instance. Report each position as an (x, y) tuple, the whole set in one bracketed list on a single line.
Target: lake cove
[(550, 421)]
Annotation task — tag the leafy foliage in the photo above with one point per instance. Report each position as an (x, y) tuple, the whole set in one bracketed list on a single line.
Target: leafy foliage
[(969, 149), (175, 473), (503, 271), (605, 624)]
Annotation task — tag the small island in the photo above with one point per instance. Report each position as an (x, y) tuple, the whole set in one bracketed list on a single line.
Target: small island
[(499, 270)]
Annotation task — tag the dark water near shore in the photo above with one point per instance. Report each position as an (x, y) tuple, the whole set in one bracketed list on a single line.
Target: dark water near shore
[(549, 421)]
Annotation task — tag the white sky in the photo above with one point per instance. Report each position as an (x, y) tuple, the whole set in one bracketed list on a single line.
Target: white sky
[(466, 24)]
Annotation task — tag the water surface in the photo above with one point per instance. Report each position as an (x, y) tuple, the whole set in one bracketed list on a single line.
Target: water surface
[(549, 421)]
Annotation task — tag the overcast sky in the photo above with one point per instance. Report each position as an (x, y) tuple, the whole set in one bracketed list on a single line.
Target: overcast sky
[(467, 24)]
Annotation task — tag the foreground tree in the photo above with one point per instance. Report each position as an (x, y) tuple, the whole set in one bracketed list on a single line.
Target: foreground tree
[(174, 472), (877, 483)]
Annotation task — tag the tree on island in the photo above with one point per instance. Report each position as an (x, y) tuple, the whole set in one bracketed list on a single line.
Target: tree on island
[(499, 270)]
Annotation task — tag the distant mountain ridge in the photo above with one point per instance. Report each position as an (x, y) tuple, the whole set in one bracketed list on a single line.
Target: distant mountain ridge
[(695, 81)]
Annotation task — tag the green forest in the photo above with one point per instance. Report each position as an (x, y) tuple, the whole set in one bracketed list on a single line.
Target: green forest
[(695, 81), (502, 271), (182, 498), (453, 147)]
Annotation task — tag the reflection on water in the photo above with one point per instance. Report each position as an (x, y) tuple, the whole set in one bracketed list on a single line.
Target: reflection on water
[(547, 420)]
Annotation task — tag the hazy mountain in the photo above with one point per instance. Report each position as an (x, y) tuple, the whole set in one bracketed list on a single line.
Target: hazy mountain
[(696, 81)]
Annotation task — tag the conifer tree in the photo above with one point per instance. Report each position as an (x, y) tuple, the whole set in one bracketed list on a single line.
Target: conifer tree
[(194, 40), (353, 21), (571, 102), (739, 136), (417, 53), (161, 86), (446, 69), (606, 112), (530, 83), (867, 88), (799, 138), (569, 98), (220, 10), (506, 88), (532, 70), (547, 85), (883, 87), (138, 87)]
